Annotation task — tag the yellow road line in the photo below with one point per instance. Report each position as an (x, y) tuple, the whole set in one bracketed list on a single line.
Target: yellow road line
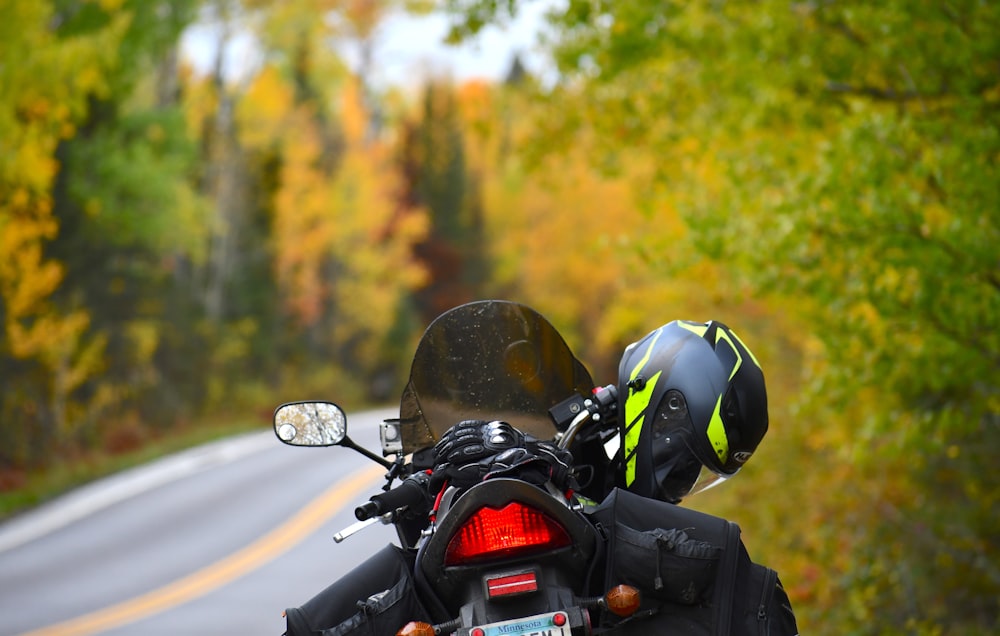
[(214, 576)]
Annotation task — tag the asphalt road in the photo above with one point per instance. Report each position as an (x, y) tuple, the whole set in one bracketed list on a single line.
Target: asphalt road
[(217, 540)]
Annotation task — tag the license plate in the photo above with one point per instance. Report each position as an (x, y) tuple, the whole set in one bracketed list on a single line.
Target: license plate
[(540, 625)]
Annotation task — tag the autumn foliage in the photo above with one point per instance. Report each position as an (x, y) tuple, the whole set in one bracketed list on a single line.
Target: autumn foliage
[(823, 177)]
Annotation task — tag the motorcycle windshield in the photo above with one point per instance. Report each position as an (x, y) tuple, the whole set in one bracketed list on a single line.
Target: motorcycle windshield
[(488, 360)]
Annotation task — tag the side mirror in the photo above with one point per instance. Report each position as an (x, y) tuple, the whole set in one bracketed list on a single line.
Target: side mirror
[(310, 424)]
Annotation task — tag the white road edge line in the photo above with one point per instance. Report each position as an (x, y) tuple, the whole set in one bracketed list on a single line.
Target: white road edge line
[(88, 499)]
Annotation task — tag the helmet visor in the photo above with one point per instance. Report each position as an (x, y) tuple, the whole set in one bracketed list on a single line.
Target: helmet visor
[(707, 479)]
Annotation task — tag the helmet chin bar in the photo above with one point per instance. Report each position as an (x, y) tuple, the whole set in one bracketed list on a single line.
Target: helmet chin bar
[(681, 474), (676, 470)]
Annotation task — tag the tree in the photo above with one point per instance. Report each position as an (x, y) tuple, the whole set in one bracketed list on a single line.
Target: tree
[(341, 235), (437, 178), (571, 238), (68, 73), (127, 206)]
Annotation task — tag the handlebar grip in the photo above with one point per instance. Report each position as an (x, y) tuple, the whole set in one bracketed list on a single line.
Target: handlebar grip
[(366, 511), (411, 492)]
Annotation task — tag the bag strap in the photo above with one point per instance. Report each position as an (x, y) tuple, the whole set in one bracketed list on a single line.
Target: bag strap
[(725, 582)]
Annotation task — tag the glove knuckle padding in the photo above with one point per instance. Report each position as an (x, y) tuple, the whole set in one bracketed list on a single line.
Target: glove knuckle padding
[(474, 450)]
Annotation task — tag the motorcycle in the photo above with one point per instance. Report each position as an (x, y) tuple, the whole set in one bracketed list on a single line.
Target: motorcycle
[(501, 450)]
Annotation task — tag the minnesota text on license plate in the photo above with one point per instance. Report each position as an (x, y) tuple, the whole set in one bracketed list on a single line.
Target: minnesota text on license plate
[(541, 625)]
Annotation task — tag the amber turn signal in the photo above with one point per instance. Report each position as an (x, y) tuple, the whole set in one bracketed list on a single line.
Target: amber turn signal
[(415, 628), (622, 600)]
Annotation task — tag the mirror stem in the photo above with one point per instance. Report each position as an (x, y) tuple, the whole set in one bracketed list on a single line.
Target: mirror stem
[(349, 443)]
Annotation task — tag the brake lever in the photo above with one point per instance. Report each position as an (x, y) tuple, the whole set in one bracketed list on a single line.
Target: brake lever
[(358, 526)]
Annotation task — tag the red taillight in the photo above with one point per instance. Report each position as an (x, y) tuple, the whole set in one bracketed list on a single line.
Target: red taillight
[(513, 530)]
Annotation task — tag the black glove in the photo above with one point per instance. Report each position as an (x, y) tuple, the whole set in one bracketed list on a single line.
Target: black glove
[(474, 450), (459, 454), (472, 440), (537, 463)]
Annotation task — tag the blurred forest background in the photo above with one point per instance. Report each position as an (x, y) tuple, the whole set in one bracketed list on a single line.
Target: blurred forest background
[(822, 176)]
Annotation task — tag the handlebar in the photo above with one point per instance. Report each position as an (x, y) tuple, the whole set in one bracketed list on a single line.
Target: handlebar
[(602, 403), (411, 492)]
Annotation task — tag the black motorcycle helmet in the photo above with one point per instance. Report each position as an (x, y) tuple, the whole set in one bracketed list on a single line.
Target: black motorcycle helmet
[(693, 409)]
